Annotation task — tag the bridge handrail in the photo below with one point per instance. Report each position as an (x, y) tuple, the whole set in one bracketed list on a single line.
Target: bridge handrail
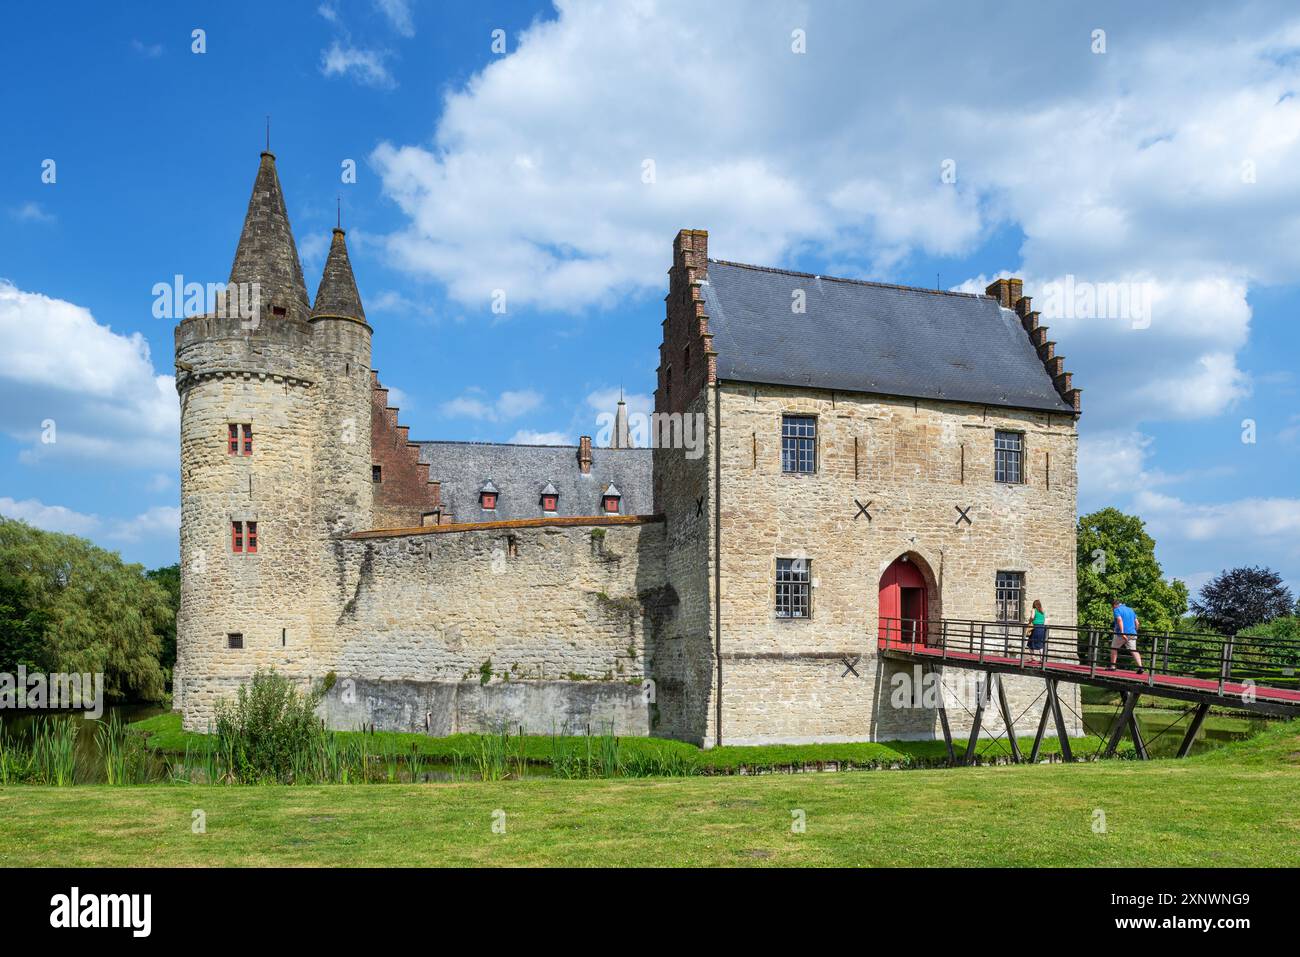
[(1223, 659)]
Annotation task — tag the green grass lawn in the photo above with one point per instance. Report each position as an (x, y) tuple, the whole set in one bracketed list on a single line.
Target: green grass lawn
[(1234, 807)]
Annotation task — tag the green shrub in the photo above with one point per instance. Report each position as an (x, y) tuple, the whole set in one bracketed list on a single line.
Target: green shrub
[(270, 724)]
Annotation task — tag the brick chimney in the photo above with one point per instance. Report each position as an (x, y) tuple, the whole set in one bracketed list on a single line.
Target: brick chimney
[(1007, 291), (584, 454)]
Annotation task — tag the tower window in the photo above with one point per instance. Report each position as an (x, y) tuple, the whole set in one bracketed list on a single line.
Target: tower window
[(243, 537), (234, 639), (1008, 457), (376, 473), (239, 438), (798, 443)]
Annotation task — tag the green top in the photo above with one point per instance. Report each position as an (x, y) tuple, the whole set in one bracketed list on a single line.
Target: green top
[(1039, 617)]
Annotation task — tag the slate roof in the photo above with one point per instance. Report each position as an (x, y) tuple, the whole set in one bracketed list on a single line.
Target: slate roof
[(266, 254), (870, 337), (337, 294), (521, 471)]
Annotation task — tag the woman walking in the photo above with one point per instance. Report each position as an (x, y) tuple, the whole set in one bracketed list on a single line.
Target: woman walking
[(1037, 629)]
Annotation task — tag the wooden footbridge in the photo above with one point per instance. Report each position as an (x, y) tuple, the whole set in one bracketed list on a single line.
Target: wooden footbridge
[(1256, 675)]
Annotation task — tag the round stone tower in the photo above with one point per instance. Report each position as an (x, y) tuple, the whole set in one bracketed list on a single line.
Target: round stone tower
[(250, 383)]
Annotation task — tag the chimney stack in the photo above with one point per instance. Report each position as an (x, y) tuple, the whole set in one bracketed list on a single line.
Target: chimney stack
[(584, 454)]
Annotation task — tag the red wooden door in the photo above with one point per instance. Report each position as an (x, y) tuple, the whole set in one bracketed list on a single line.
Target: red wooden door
[(902, 604)]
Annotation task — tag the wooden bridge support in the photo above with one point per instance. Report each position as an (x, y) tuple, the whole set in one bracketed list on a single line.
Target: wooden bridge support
[(1193, 729), (943, 718)]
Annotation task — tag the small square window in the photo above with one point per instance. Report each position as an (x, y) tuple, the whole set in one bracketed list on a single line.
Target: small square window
[(1008, 457), (793, 588), (799, 443), (611, 504), (549, 502), (376, 473), (234, 639), (488, 500)]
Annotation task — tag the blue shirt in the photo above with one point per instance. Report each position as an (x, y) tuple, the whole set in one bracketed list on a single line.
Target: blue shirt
[(1126, 617)]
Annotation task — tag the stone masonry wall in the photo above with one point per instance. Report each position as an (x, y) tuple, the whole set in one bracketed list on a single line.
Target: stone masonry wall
[(914, 462), (549, 606), (263, 377)]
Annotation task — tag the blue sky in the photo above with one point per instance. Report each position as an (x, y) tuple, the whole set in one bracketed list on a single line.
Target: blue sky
[(917, 143)]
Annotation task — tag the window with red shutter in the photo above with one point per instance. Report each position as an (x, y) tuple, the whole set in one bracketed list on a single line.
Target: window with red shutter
[(252, 536), (233, 438), (489, 500), (248, 439), (236, 536), (611, 503)]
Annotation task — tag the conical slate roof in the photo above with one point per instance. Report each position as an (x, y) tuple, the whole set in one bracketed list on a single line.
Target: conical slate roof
[(267, 254), (337, 296)]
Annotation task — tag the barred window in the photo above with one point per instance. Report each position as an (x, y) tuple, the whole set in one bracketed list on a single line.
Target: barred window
[(793, 577), (1008, 457), (1010, 596), (798, 443)]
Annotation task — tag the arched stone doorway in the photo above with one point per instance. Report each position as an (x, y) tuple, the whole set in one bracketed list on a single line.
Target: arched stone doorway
[(908, 598)]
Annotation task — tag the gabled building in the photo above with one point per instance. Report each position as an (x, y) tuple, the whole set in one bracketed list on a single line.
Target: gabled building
[(869, 458)]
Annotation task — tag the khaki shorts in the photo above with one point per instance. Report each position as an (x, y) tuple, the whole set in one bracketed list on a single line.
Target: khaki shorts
[(1124, 641)]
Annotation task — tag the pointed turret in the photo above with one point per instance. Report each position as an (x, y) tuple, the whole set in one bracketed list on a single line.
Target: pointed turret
[(267, 254), (337, 297), (620, 439)]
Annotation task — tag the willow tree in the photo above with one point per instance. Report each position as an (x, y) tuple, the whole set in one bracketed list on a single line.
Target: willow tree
[(82, 609)]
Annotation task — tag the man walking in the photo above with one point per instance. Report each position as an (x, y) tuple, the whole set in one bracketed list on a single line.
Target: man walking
[(1126, 630)]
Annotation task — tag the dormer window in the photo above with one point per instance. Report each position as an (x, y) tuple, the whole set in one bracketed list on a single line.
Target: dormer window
[(550, 498), (610, 499), (487, 496)]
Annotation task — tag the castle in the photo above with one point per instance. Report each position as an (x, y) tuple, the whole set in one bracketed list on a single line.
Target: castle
[(866, 452)]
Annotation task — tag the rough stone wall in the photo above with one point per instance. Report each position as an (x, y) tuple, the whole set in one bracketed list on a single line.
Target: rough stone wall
[(405, 493), (443, 708), (532, 603), (263, 376), (914, 462), (684, 664)]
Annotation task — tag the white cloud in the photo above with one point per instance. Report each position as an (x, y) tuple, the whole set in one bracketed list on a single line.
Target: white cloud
[(365, 66), (51, 518), (1128, 165), (92, 391), (31, 212), (156, 522), (398, 14), (529, 437), (1245, 519), (475, 404), (150, 50)]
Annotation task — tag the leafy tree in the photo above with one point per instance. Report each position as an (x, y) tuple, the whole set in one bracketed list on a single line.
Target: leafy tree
[(1241, 597), (74, 607), (22, 627), (169, 577), (1117, 559)]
